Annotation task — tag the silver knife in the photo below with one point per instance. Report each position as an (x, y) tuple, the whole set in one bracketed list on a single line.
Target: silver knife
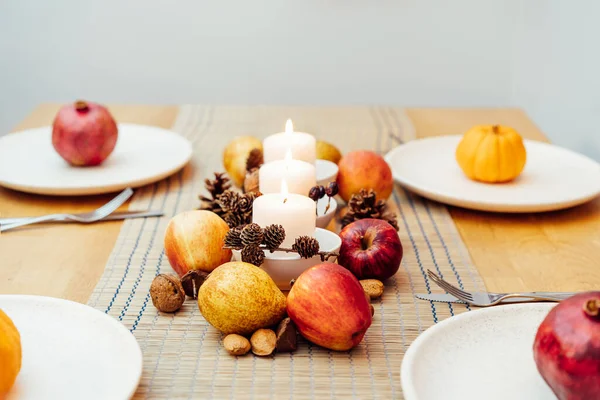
[(448, 298), (114, 216)]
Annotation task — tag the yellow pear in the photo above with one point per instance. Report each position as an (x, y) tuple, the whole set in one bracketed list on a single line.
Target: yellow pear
[(238, 297), (327, 151)]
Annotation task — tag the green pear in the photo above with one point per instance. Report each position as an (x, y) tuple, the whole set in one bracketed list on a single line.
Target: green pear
[(238, 297)]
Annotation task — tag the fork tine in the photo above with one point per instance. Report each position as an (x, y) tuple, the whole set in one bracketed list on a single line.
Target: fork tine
[(434, 276), (454, 291), (457, 292), (115, 203)]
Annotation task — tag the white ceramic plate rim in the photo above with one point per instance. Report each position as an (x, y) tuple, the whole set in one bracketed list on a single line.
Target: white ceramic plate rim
[(521, 206), (109, 321), (410, 357), (118, 185)]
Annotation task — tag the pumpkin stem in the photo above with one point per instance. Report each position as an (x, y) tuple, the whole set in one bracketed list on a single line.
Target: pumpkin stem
[(592, 308), (495, 129)]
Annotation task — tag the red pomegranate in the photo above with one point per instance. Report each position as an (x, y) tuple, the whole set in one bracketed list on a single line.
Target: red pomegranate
[(84, 133), (567, 348)]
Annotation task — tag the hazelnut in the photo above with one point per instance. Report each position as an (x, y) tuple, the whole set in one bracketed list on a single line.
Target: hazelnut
[(167, 293), (263, 342), (372, 287), (236, 345)]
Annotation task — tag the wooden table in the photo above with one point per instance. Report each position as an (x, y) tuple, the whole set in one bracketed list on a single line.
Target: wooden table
[(551, 251)]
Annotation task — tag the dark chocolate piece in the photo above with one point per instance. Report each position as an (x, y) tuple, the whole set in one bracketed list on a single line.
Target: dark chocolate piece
[(287, 337)]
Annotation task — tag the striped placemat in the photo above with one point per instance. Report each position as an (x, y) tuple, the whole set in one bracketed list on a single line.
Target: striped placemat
[(183, 355)]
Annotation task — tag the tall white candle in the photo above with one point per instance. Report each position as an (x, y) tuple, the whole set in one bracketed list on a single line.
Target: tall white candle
[(302, 145), (294, 212), (300, 176)]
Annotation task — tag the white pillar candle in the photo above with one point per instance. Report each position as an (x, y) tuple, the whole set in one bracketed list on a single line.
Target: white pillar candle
[(302, 145), (294, 212), (300, 176)]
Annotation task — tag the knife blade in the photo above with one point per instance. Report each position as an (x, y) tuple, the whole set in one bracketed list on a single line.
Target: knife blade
[(448, 298), (117, 215), (442, 298)]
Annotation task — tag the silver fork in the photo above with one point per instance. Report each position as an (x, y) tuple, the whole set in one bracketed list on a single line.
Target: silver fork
[(492, 299), (88, 217)]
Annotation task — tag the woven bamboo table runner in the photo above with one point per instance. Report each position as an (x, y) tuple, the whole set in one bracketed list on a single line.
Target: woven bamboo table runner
[(183, 354)]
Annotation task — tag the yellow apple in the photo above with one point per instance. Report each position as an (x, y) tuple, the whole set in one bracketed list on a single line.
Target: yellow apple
[(194, 240)]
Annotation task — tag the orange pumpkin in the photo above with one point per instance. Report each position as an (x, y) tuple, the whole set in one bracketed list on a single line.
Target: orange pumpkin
[(10, 353), (491, 153)]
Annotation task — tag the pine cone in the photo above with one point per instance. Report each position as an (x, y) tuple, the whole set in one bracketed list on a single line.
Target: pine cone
[(252, 235), (253, 255), (228, 200), (237, 220), (306, 246), (365, 205), (255, 159), (273, 236), (237, 207), (243, 204), (233, 238), (215, 188)]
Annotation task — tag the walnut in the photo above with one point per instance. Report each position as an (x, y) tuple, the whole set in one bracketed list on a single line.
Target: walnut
[(167, 293), (251, 181), (236, 345), (263, 342), (372, 287)]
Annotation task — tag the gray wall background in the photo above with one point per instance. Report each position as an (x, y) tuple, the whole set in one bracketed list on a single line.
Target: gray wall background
[(538, 55)]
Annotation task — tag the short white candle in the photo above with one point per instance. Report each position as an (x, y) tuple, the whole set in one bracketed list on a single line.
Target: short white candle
[(302, 145), (299, 175), (294, 212)]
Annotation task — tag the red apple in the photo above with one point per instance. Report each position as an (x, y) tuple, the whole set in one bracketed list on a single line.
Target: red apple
[(329, 307), (84, 133), (194, 240), (567, 347), (364, 170), (371, 249)]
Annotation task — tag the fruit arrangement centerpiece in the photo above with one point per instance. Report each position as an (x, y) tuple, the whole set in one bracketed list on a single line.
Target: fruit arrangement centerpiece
[(254, 257)]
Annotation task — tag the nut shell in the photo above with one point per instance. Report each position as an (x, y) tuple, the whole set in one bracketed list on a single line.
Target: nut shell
[(251, 183), (263, 342), (236, 345), (372, 287), (192, 281), (167, 293)]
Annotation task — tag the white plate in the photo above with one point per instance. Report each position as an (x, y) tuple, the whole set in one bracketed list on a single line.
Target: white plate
[(482, 354), (143, 154), (71, 351), (553, 178)]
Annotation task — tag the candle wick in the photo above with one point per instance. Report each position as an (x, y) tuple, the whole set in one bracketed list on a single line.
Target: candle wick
[(284, 200)]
